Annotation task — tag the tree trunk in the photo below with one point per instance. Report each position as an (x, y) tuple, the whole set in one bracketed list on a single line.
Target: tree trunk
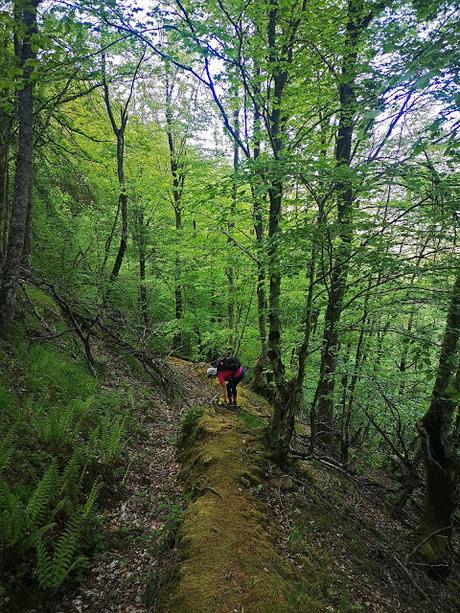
[(119, 132), (178, 178), (27, 248), (344, 194), (5, 142), (260, 383), (229, 271), (23, 173), (348, 404), (178, 268), (141, 246), (123, 202), (282, 422), (441, 460)]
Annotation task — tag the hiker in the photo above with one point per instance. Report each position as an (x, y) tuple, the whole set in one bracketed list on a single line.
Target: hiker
[(229, 372)]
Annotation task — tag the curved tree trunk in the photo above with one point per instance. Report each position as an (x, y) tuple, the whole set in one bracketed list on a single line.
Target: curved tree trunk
[(119, 132)]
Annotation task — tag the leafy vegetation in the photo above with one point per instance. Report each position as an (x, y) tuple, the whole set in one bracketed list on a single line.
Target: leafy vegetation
[(274, 177), (62, 440)]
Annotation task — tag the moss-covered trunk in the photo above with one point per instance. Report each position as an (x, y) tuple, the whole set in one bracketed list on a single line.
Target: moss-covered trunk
[(440, 455)]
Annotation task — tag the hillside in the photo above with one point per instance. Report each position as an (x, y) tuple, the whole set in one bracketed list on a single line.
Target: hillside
[(265, 193), (192, 514)]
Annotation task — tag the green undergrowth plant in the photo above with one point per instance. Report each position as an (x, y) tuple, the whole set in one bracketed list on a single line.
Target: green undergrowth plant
[(62, 438), (251, 420), (188, 422)]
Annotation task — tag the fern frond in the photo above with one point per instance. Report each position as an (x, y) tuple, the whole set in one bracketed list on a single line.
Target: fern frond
[(91, 500), (6, 452), (42, 496), (13, 520)]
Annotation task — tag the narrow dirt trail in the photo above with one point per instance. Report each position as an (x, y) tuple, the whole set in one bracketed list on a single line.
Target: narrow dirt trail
[(135, 532)]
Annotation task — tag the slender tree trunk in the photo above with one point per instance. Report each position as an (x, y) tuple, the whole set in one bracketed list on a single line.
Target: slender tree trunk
[(178, 178), (260, 382), (407, 341), (345, 197), (5, 142), (441, 459), (24, 162), (123, 202), (141, 245), (119, 132), (229, 271), (350, 392), (178, 268), (27, 248)]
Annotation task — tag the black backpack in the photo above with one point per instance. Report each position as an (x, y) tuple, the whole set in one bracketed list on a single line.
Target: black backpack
[(228, 363)]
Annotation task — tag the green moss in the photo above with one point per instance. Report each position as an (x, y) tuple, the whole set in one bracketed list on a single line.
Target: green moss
[(188, 422), (228, 557), (251, 420)]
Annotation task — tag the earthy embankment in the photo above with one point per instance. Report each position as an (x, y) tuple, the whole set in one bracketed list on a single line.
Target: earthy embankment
[(227, 559)]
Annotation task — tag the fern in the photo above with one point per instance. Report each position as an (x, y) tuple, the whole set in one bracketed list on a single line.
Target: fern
[(108, 441), (6, 452), (54, 568), (42, 496), (54, 427), (71, 477), (13, 519), (91, 500)]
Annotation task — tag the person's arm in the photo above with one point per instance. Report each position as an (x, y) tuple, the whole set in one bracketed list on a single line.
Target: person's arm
[(221, 379)]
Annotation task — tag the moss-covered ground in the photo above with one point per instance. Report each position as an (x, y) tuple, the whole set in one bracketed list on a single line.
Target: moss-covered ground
[(227, 558)]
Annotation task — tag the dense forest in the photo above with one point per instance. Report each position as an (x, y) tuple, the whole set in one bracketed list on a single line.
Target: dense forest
[(274, 179)]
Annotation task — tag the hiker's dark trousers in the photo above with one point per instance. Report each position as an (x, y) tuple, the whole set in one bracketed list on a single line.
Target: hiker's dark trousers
[(231, 386)]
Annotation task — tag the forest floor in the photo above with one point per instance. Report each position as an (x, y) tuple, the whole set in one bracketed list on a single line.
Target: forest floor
[(335, 532), (137, 533)]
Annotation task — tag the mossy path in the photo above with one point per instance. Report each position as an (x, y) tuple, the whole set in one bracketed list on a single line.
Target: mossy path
[(227, 558)]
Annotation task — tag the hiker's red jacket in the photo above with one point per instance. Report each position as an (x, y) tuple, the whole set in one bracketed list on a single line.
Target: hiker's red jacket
[(225, 375)]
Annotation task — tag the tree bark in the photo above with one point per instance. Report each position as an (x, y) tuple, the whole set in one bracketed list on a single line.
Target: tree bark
[(24, 162), (344, 194), (140, 237), (440, 456), (229, 271), (178, 178), (282, 422), (6, 121), (260, 383), (119, 131)]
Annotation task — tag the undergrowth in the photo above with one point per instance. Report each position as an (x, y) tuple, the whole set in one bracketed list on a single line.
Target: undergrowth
[(188, 422), (62, 436)]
